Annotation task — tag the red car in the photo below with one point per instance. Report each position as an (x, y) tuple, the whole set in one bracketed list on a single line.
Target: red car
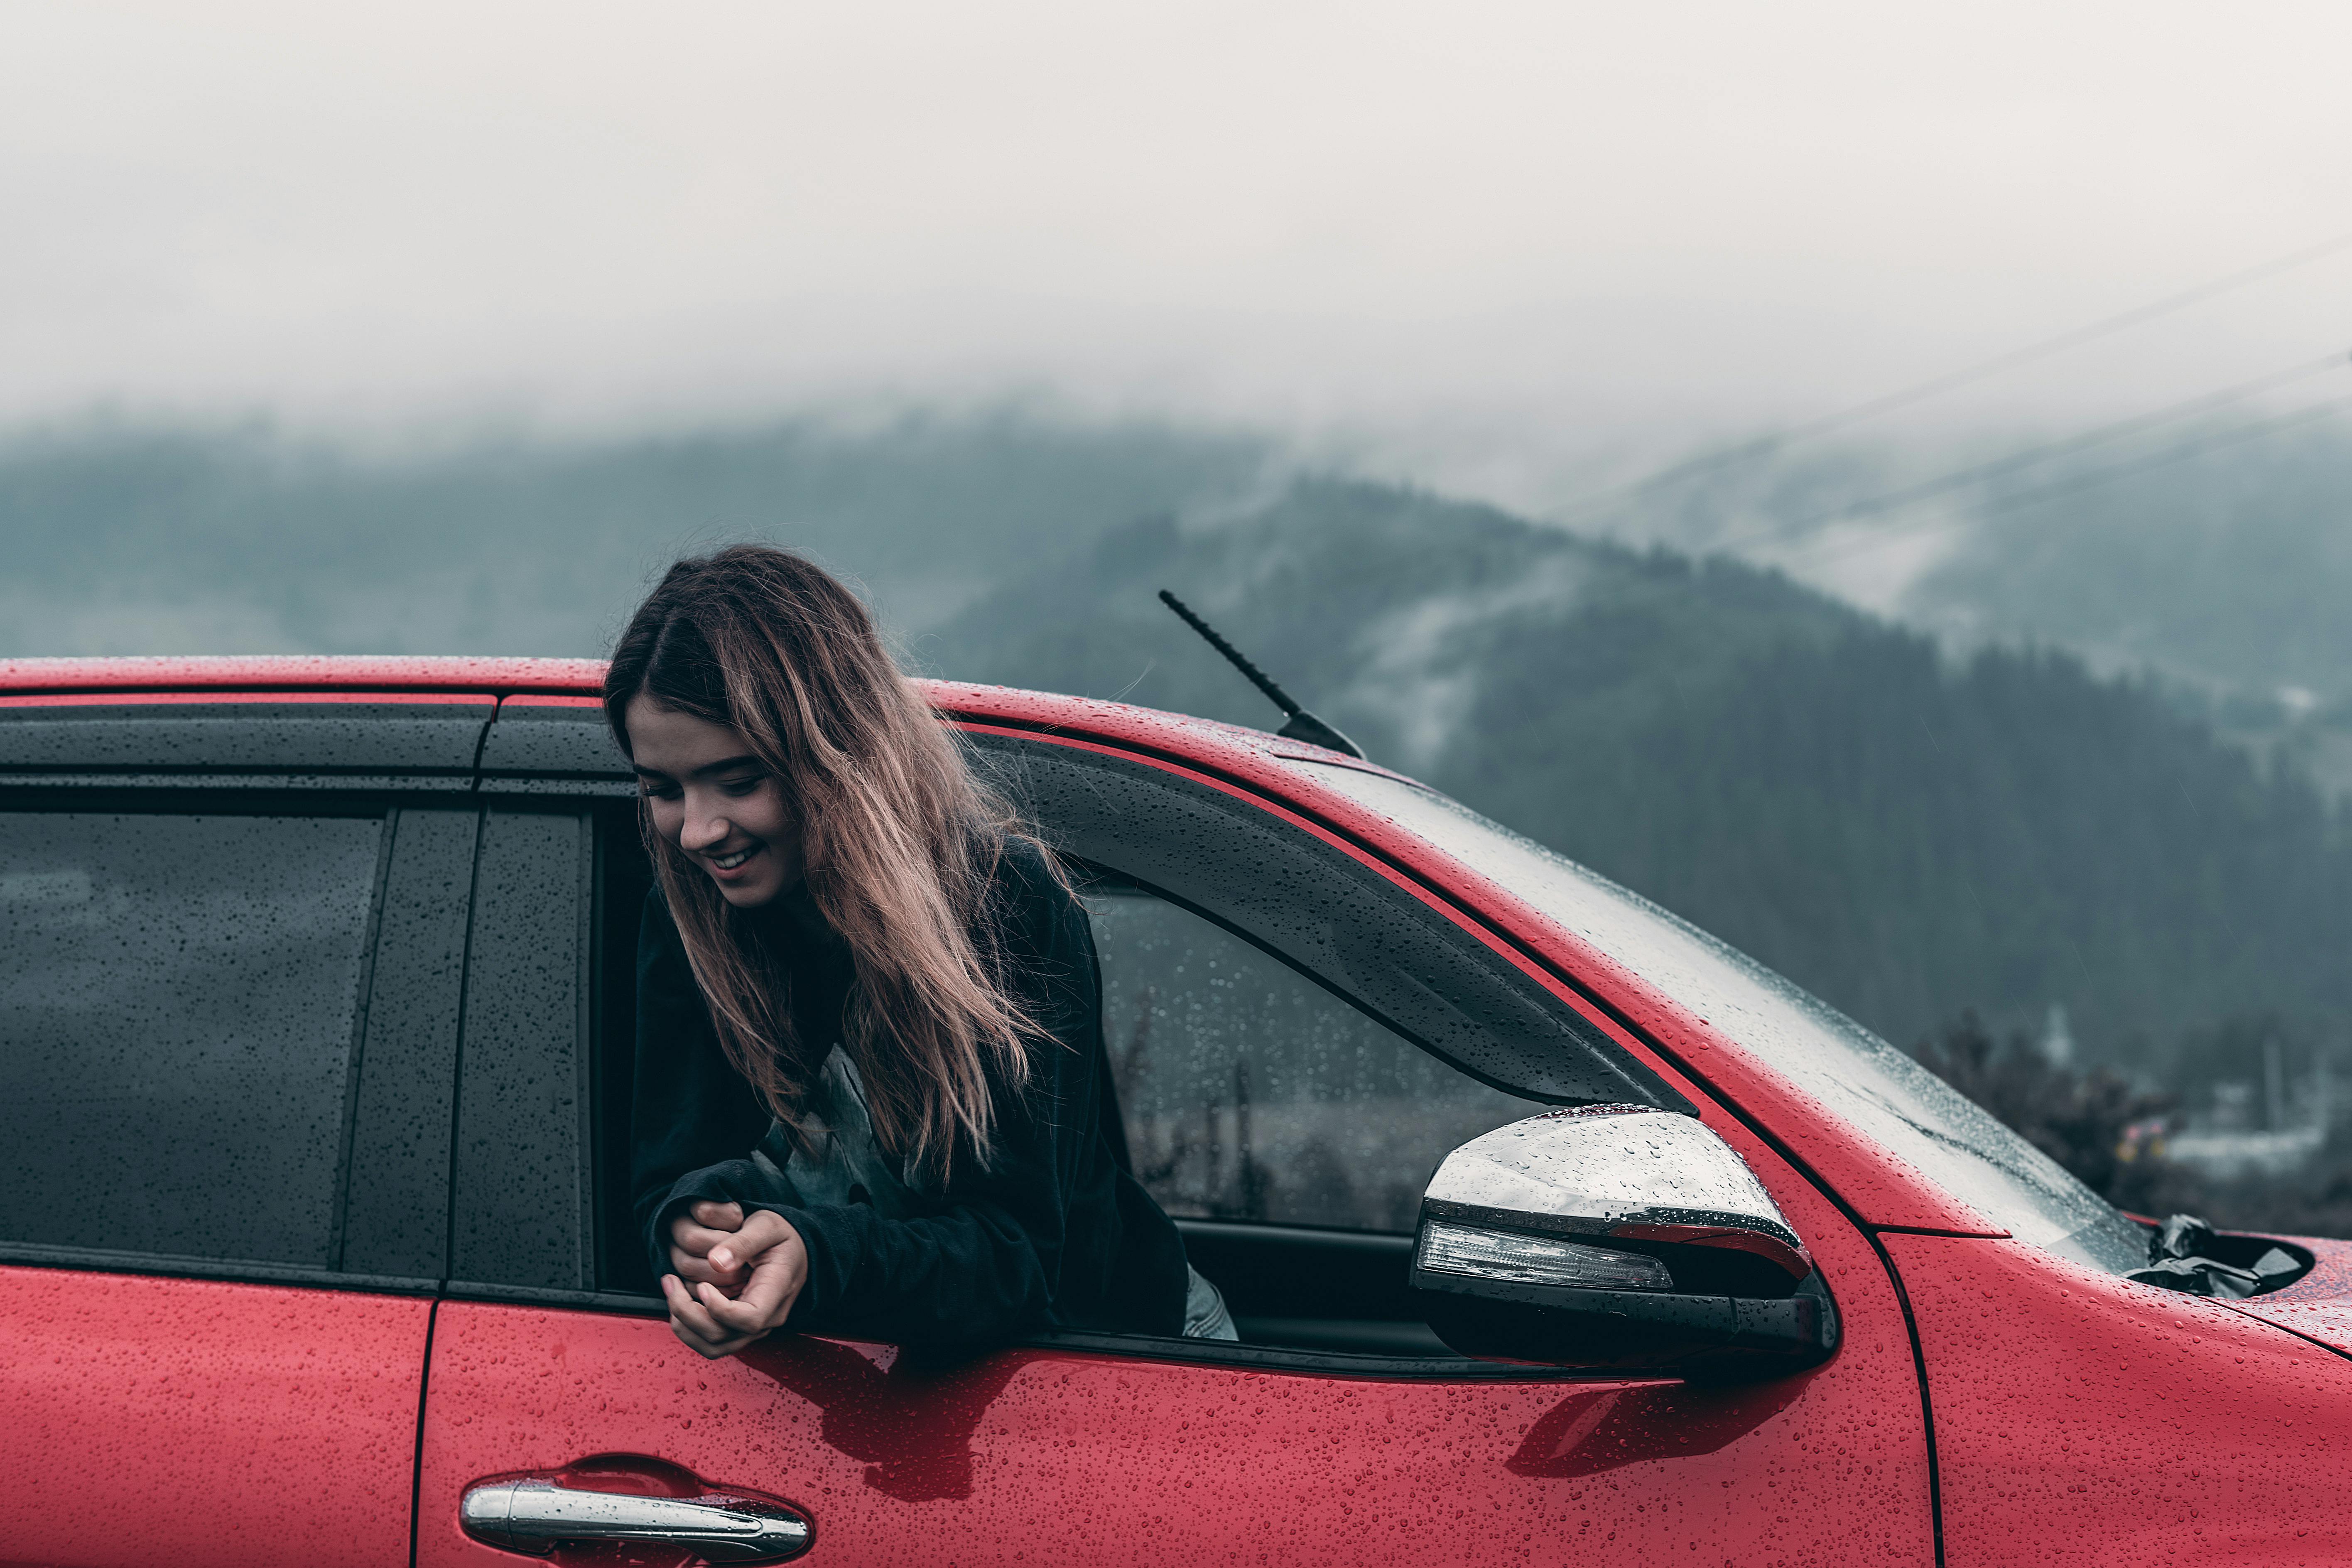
[(1556, 1231)]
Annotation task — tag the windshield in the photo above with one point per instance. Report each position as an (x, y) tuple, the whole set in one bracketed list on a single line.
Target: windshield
[(1879, 1090)]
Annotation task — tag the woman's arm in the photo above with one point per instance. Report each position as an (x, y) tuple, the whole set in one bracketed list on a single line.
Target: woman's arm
[(733, 1260)]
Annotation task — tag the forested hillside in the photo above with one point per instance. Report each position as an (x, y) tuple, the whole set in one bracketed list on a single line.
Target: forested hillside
[(1909, 839)]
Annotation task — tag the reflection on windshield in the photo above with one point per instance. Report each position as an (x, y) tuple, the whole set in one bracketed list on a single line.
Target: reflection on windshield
[(1878, 1090)]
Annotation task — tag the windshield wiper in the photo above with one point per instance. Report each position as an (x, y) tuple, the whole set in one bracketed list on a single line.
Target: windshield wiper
[(2178, 1260)]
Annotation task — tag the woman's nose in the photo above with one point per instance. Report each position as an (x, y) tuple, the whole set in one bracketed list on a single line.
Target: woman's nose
[(703, 830)]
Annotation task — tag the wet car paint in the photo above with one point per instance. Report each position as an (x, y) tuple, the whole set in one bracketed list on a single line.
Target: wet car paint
[(203, 1424), (1042, 1455), (2082, 1418), (2076, 1417), (1048, 1456)]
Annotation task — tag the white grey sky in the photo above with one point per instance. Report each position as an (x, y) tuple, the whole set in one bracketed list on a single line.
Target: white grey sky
[(1497, 235)]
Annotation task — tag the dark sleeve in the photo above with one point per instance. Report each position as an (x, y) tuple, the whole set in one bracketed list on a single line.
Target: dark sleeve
[(693, 1119), (998, 1257)]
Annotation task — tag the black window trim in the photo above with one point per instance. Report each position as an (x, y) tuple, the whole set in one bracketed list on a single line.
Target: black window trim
[(260, 705), (1560, 988), (1527, 956), (584, 1023)]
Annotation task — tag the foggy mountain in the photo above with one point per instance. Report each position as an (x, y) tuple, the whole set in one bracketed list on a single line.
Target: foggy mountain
[(2237, 569), (2234, 577), (1908, 838), (2226, 572), (1906, 835), (127, 538)]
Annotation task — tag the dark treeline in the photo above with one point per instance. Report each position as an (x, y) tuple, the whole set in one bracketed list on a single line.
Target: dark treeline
[(1905, 837)]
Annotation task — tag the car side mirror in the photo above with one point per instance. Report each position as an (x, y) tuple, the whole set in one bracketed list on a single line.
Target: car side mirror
[(1619, 1237)]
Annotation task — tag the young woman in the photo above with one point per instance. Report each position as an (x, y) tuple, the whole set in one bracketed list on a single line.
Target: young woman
[(871, 1092)]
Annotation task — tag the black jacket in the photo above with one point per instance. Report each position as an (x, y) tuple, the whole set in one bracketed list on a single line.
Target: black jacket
[(1054, 1232)]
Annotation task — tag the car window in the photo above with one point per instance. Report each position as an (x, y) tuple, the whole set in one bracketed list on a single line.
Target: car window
[(1249, 1093), (1405, 961), (178, 1002), (1909, 1111)]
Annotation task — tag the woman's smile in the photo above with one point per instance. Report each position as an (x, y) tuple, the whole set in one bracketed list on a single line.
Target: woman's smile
[(711, 796)]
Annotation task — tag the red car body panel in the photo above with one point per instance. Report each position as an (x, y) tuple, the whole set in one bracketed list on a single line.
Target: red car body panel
[(2076, 1417), (305, 673), (2081, 1418), (204, 1425), (1052, 1455)]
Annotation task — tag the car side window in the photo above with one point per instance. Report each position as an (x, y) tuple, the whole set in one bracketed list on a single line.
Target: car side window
[(178, 1002), (1251, 1093), (1326, 912)]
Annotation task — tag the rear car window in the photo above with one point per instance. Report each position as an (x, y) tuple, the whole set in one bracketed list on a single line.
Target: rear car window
[(178, 996)]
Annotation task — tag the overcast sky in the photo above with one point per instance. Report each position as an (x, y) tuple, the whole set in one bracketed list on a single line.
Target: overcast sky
[(1489, 229)]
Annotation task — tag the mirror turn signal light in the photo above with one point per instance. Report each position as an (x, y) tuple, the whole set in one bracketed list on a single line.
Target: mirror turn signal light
[(1450, 1247)]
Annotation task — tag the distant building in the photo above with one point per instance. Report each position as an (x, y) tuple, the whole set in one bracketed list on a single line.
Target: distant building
[(2058, 1037), (2293, 1127)]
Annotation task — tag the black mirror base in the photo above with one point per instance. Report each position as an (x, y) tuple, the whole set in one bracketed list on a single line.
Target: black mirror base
[(1700, 1337)]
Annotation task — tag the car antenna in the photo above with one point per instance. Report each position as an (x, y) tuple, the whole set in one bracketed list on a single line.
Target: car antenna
[(1298, 724)]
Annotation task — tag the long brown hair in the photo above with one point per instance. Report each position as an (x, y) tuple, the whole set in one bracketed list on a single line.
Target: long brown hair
[(900, 841)]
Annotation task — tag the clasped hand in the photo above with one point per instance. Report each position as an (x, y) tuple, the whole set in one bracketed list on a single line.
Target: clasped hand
[(737, 1276)]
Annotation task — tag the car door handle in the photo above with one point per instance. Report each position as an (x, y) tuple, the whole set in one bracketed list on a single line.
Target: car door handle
[(534, 1515)]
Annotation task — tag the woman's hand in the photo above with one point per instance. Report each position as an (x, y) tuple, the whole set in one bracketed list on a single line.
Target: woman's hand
[(736, 1277)]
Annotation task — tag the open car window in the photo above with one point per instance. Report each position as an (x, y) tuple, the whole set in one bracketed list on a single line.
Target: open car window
[(1908, 1111)]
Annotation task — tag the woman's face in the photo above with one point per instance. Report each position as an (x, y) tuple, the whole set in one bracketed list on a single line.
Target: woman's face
[(717, 802)]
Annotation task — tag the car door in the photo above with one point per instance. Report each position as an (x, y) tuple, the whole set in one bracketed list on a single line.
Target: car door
[(231, 931), (1297, 1038)]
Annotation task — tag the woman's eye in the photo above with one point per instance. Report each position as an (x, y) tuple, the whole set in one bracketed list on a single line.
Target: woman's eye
[(659, 792), (741, 787)]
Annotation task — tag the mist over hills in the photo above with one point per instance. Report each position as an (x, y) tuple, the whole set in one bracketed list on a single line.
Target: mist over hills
[(145, 539), (1908, 832), (2238, 571), (1907, 836), (2216, 554)]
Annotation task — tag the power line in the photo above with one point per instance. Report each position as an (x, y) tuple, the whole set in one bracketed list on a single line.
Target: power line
[(2033, 456), (1764, 445), (2284, 422)]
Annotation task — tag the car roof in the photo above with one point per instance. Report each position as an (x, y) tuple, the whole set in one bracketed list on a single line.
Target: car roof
[(1229, 748)]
